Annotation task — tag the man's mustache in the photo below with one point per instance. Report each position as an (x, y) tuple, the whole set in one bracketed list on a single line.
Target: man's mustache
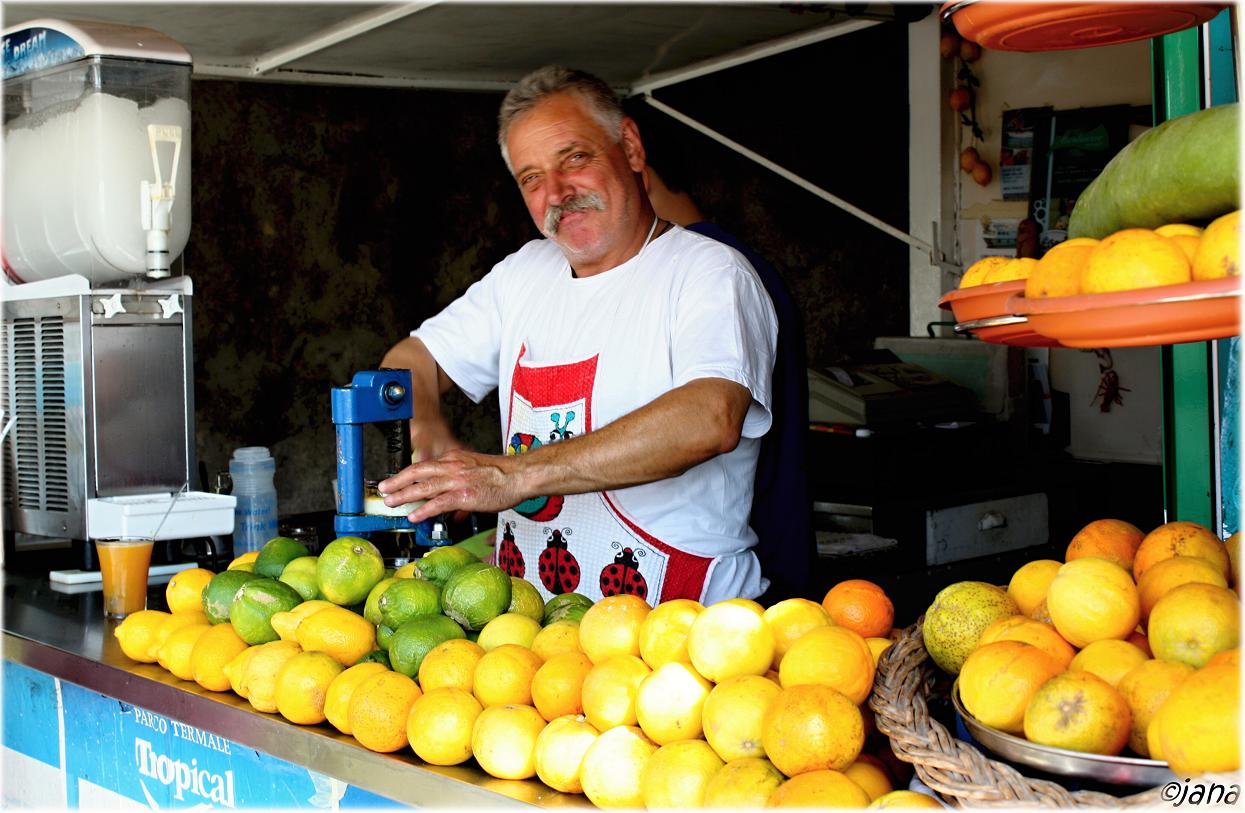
[(579, 203)]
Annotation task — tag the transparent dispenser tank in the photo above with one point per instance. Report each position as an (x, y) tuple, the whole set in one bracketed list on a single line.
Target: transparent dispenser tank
[(78, 102)]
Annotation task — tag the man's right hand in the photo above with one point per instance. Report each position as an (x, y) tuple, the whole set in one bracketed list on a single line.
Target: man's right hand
[(431, 437)]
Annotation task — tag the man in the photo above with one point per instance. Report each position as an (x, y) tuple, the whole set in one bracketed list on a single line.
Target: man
[(632, 361), (781, 509)]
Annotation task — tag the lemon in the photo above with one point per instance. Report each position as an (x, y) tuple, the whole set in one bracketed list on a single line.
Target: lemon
[(504, 676), (415, 639), (337, 632), (137, 633), (1219, 250), (676, 775), (439, 726), (174, 654), (733, 716), (337, 698), (791, 618), (407, 571), (169, 625), (245, 562), (302, 684), (668, 703), (609, 691), (370, 611), (260, 679), (743, 783), (214, 649), (1019, 268), (220, 591), (525, 599), (378, 709), (612, 765), (407, 598), (612, 627), (285, 624), (451, 664), (976, 273), (235, 670), (560, 750), (184, 592), (300, 574), (348, 569), (509, 628), (504, 740), (731, 638), (558, 638), (276, 554)]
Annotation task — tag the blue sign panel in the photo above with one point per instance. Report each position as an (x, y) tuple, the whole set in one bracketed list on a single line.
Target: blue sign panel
[(30, 714), (34, 49)]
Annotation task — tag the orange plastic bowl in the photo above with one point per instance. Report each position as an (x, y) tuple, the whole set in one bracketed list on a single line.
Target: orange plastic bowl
[(1064, 26), (981, 301)]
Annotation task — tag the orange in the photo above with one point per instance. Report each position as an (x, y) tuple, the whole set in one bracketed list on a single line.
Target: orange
[(560, 750), (668, 703), (1029, 583), (1219, 250), (976, 273), (609, 691), (1059, 271), (337, 698), (834, 656), (557, 684), (1042, 612), (743, 783), (451, 664), (905, 798), (558, 638), (731, 638), (791, 618), (812, 728), (504, 675), (1168, 573), (176, 652), (612, 767), (1228, 656), (1134, 258), (1110, 660), (861, 606), (1189, 244), (1112, 539), (302, 686), (611, 627), (1198, 728), (999, 679), (1091, 599), (440, 724), (1193, 622), (1233, 544), (378, 709), (504, 740), (184, 593), (733, 716), (663, 633), (821, 789), (869, 772), (676, 775), (1144, 689), (1034, 633), (1138, 639), (1018, 268), (1081, 712), (215, 648), (1180, 539)]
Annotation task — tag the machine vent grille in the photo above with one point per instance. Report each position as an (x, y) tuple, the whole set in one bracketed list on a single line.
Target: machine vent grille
[(36, 454)]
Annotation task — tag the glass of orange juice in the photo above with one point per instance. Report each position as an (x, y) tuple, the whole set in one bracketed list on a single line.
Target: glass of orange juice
[(123, 564)]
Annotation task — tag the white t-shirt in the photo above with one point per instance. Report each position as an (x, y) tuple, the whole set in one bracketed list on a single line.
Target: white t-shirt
[(568, 355)]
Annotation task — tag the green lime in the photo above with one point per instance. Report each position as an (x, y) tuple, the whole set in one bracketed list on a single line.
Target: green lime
[(407, 598), (384, 636), (370, 611), (219, 593), (375, 656), (567, 612), (300, 574), (416, 638), (255, 604), (276, 554), (525, 599), (565, 600), (475, 594), (348, 569), (437, 564)]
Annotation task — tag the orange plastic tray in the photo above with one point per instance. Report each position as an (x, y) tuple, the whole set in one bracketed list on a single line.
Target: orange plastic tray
[(1064, 26), (987, 302), (1169, 314)]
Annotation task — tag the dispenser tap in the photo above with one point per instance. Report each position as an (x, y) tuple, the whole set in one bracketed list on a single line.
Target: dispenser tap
[(156, 199)]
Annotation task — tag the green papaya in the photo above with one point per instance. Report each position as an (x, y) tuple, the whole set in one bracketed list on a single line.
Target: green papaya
[(1186, 169)]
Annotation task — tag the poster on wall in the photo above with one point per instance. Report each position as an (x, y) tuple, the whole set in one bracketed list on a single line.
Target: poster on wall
[(1020, 132)]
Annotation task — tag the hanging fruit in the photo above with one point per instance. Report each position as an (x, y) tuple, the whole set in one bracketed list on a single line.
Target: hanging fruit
[(950, 45), (969, 51), (969, 159), (982, 173), (961, 98)]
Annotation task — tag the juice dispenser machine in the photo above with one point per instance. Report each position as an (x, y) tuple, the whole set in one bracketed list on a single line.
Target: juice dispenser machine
[(97, 382)]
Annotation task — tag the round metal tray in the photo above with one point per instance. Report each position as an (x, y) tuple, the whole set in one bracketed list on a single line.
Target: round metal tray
[(1130, 771)]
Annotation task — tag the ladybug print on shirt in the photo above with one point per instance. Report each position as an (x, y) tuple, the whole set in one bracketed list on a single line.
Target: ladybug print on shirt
[(509, 557), (623, 577), (559, 570)]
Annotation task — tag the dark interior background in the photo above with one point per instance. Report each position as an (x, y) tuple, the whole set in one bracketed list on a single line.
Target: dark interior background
[(330, 221)]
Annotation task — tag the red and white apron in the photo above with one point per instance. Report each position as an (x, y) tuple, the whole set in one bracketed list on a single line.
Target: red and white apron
[(580, 543)]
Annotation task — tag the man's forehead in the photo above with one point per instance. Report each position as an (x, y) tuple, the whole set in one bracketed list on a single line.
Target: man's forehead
[(564, 118)]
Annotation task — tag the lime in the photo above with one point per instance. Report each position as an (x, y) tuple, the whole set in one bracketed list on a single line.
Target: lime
[(219, 593), (438, 563), (567, 612), (376, 656), (416, 638), (407, 598), (384, 636), (300, 574), (348, 569), (254, 606), (525, 599), (475, 594), (276, 554), (565, 600), (370, 611)]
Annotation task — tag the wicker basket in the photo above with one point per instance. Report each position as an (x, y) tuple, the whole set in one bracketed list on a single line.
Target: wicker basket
[(953, 768)]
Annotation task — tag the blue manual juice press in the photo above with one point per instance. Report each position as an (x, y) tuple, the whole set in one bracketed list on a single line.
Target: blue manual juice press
[(382, 397)]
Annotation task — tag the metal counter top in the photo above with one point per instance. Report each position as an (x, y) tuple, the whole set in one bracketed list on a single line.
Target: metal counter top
[(65, 634)]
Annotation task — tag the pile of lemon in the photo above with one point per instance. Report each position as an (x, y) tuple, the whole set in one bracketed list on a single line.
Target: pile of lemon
[(675, 706), (1126, 260)]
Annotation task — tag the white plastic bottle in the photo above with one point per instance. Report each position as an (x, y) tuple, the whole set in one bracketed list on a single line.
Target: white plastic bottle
[(255, 517)]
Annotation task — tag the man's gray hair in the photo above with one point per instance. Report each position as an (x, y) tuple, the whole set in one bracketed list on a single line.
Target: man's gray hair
[(601, 101)]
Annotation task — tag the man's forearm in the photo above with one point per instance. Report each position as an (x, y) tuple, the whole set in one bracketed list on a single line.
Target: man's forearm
[(430, 436)]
